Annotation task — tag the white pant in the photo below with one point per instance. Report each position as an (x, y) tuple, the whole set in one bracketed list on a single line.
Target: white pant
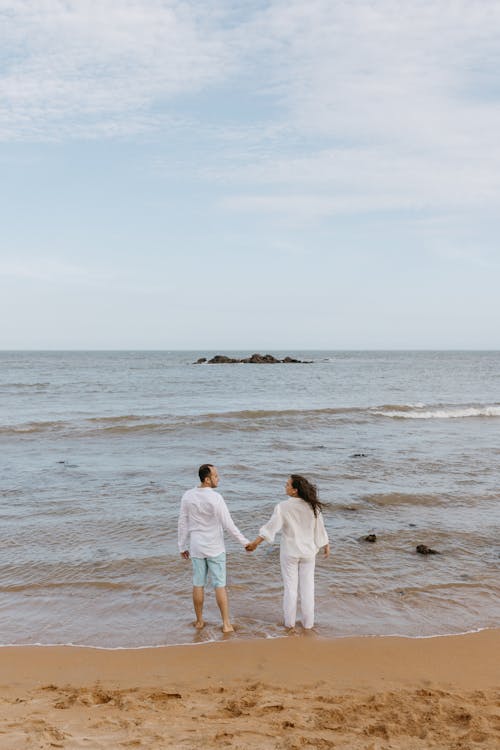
[(298, 573)]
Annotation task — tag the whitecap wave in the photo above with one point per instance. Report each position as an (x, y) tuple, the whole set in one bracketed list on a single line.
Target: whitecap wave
[(439, 412)]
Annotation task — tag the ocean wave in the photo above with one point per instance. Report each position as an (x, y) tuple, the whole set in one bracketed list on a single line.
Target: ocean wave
[(32, 427), (431, 589), (399, 498), (248, 420), (251, 414), (438, 412), (24, 385), (39, 585), (99, 572)]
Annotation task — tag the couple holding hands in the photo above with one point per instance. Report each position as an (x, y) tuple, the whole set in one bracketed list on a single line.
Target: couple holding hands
[(204, 517)]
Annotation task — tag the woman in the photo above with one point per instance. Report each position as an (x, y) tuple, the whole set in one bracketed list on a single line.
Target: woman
[(303, 533)]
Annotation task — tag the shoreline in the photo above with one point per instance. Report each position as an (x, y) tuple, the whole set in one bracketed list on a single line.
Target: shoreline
[(284, 693), (234, 638)]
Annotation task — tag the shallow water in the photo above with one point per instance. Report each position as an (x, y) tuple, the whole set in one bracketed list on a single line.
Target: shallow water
[(97, 448)]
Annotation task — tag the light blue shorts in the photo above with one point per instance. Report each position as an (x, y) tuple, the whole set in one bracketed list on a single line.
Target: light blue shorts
[(216, 566)]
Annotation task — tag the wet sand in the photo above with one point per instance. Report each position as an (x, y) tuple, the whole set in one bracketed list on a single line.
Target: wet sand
[(284, 694)]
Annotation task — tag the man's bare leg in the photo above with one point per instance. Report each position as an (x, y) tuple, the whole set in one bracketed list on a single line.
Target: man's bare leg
[(223, 604), (198, 599)]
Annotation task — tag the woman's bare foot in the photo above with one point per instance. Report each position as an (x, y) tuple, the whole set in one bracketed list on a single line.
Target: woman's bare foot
[(199, 624), (309, 631), (227, 628)]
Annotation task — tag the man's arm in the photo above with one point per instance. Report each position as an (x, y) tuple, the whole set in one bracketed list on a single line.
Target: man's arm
[(229, 525), (183, 530)]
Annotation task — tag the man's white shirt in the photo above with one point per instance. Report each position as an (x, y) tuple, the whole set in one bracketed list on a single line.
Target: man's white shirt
[(203, 518)]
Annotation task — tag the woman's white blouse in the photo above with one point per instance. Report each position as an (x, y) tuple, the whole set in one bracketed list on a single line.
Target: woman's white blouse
[(302, 533)]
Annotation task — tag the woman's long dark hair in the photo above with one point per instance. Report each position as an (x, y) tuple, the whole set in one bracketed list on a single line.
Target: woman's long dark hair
[(307, 492)]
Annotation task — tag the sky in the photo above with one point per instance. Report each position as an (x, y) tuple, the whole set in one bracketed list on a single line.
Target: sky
[(221, 175)]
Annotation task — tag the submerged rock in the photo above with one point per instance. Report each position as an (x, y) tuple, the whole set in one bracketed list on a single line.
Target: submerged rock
[(423, 549), (370, 538)]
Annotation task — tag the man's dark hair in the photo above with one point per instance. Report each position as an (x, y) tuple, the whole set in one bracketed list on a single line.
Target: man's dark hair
[(204, 471)]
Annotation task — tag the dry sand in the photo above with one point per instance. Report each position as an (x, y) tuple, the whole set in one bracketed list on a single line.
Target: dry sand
[(297, 692)]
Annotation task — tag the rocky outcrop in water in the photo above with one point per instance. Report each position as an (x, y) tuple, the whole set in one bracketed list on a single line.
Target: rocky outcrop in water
[(254, 359), (423, 549), (369, 538)]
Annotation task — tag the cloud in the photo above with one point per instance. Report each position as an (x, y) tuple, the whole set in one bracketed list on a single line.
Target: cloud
[(357, 69), (49, 270), (362, 179), (380, 106), (389, 106), (90, 63)]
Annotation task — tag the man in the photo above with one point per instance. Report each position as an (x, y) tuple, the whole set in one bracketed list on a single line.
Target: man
[(203, 518)]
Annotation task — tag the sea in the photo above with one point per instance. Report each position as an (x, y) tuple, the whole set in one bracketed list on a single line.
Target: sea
[(97, 448)]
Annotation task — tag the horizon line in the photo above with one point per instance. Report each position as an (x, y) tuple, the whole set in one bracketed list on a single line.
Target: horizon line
[(228, 349)]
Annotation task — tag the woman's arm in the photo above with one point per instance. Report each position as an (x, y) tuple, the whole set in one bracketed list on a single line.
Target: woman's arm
[(320, 535), (268, 531), (252, 546)]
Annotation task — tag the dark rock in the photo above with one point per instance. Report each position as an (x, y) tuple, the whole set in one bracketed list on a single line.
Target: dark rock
[(254, 359), (359, 455), (221, 359), (370, 538), (261, 359), (200, 361), (423, 549)]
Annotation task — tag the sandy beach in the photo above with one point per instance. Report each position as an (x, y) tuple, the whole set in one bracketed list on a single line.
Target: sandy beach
[(286, 694)]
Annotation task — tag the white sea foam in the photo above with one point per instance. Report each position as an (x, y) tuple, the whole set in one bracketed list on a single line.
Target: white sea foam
[(440, 412), (444, 634)]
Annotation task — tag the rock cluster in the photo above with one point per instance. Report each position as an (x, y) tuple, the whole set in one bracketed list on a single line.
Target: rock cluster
[(255, 359), (423, 549)]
